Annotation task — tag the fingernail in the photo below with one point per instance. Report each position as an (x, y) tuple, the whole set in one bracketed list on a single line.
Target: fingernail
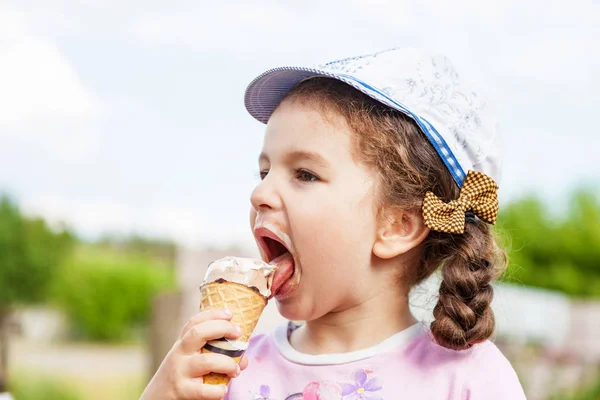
[(238, 371), (228, 313), (225, 388), (238, 330)]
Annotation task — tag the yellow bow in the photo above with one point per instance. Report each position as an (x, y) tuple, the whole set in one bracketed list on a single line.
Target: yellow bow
[(478, 194)]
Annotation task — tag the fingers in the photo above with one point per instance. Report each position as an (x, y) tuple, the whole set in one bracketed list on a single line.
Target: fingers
[(202, 363), (243, 363), (199, 334), (195, 389), (204, 316)]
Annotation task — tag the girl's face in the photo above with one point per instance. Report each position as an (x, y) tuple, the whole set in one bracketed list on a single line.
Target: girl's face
[(320, 203)]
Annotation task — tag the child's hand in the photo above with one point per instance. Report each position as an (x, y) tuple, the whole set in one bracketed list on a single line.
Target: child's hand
[(179, 377)]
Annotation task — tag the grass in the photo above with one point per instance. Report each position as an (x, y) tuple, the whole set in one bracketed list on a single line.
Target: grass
[(587, 391), (37, 385)]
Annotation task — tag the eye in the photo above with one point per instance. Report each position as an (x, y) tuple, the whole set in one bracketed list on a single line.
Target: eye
[(263, 174), (305, 176)]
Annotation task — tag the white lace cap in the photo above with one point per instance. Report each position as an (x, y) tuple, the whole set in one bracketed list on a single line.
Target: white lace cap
[(461, 125)]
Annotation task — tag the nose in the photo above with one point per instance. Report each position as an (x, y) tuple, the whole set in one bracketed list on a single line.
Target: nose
[(265, 195)]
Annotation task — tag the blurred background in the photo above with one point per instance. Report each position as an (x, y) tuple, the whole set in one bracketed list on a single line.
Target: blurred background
[(127, 159)]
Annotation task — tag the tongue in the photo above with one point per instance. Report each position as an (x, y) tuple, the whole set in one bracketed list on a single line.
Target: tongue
[(284, 271)]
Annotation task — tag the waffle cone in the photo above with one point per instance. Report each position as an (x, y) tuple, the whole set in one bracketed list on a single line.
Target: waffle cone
[(213, 378), (245, 303)]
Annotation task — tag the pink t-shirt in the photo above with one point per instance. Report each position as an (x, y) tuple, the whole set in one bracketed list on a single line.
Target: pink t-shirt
[(408, 365)]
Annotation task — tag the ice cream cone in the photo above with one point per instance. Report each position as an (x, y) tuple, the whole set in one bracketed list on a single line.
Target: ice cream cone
[(246, 304)]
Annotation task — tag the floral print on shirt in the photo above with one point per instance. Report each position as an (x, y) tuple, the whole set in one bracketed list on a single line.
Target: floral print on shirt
[(363, 385)]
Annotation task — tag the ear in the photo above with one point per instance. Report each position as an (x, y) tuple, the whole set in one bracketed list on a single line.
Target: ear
[(399, 232)]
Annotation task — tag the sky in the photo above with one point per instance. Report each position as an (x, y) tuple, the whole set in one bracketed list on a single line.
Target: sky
[(128, 116)]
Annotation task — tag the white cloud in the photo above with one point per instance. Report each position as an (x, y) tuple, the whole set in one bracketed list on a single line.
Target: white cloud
[(35, 79), (43, 103)]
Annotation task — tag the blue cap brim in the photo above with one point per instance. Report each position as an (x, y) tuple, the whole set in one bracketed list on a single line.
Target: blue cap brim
[(266, 92)]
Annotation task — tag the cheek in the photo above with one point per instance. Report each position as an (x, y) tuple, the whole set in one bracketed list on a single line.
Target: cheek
[(352, 222), (336, 237)]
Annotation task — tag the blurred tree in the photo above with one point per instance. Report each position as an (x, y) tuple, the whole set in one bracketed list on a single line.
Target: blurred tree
[(107, 295), (29, 254), (554, 250)]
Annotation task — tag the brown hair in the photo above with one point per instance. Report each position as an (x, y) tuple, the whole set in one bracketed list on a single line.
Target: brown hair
[(409, 167)]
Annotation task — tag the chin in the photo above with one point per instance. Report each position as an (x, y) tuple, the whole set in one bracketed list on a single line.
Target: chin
[(291, 310)]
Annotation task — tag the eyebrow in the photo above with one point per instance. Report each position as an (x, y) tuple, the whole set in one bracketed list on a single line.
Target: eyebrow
[(300, 155)]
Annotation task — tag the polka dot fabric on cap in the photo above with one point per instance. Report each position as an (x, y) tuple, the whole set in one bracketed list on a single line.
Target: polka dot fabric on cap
[(479, 194)]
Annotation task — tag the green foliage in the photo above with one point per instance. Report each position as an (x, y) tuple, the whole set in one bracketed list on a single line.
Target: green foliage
[(29, 255), (36, 387), (586, 392), (589, 393), (559, 251), (106, 295)]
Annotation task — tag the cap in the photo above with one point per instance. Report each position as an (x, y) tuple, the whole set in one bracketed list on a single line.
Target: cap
[(460, 124)]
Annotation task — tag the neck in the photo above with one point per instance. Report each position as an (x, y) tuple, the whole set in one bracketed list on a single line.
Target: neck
[(368, 322)]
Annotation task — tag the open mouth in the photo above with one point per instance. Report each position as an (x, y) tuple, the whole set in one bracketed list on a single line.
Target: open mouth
[(273, 248), (275, 252)]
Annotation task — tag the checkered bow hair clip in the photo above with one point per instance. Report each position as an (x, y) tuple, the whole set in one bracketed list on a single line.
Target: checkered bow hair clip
[(479, 195)]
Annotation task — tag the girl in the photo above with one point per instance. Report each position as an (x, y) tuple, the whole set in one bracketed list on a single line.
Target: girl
[(376, 171)]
